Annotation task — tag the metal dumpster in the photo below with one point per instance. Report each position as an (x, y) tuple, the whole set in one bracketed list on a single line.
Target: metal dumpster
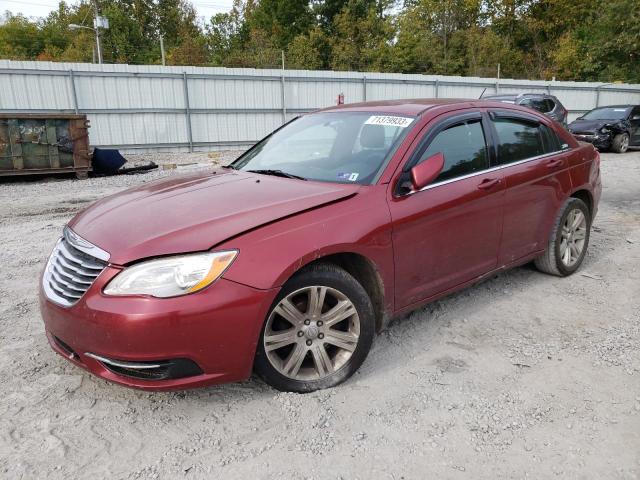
[(44, 144)]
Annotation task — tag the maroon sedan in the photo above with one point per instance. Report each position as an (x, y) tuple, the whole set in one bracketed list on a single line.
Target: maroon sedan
[(288, 261)]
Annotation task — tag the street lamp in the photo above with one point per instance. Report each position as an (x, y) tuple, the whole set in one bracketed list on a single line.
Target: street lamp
[(98, 22), (598, 92)]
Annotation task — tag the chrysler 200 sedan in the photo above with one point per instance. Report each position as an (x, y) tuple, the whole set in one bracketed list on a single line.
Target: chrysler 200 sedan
[(288, 261)]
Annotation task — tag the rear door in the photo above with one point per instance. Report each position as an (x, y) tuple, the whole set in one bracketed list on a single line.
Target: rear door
[(448, 232), (537, 181)]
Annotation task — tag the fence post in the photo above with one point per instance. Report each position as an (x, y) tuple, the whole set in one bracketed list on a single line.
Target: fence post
[(284, 104), (497, 87), (437, 87), (597, 96), (364, 88), (73, 91), (187, 110)]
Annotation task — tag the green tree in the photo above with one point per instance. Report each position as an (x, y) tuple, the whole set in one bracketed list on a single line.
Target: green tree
[(310, 51), (362, 37), (281, 19), (565, 39), (20, 39)]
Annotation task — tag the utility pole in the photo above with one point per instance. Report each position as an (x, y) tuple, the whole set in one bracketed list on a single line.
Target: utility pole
[(445, 21), (162, 50), (96, 24), (282, 91)]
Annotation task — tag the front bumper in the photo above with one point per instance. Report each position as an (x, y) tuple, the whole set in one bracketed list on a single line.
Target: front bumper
[(216, 330), (602, 141)]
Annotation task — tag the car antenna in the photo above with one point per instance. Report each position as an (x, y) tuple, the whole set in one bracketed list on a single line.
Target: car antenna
[(485, 89)]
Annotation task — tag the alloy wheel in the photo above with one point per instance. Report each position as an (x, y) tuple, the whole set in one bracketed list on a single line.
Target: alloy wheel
[(625, 143), (311, 333), (573, 237)]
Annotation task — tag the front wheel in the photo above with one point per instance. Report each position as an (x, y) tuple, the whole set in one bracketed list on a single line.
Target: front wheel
[(569, 240), (620, 143), (318, 332)]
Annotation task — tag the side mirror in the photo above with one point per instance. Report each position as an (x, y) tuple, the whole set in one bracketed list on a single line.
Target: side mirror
[(427, 171)]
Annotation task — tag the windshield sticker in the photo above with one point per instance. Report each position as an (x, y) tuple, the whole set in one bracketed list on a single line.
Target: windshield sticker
[(619, 109), (401, 122), (352, 177)]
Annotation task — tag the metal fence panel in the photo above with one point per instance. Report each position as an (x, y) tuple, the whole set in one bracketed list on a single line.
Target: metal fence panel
[(154, 108), (122, 129)]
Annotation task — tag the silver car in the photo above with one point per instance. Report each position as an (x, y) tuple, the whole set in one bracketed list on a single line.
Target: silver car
[(547, 104)]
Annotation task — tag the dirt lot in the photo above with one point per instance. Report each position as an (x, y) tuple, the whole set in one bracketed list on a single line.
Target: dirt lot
[(523, 376)]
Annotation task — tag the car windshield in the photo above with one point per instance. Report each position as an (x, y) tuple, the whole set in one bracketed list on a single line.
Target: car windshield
[(342, 147), (607, 113)]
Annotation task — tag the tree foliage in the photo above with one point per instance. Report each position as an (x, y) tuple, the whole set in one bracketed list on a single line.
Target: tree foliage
[(565, 39)]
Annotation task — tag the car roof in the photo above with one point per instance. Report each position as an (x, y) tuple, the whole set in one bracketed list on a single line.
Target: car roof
[(514, 96), (500, 97), (414, 106)]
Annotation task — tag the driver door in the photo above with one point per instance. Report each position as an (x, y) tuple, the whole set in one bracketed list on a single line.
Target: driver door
[(449, 232), (634, 119)]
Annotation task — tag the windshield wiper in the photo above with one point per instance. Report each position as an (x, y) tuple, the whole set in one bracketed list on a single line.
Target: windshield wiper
[(277, 173)]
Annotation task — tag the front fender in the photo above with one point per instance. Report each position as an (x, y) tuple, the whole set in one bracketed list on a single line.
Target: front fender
[(270, 255)]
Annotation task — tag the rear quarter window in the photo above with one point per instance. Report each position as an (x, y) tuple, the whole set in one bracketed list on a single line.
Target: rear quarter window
[(538, 104), (551, 141), (551, 105)]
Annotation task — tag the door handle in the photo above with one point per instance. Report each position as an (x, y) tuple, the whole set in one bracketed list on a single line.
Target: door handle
[(488, 183), (555, 163)]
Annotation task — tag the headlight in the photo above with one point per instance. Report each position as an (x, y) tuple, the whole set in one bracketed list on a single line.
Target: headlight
[(171, 276), (604, 130)]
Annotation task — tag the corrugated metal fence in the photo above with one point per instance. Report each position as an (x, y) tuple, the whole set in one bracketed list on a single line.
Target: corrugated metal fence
[(152, 108)]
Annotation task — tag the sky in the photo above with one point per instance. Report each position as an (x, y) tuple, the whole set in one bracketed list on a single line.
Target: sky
[(41, 8)]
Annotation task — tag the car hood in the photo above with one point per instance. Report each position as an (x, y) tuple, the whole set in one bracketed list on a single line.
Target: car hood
[(196, 212), (590, 125)]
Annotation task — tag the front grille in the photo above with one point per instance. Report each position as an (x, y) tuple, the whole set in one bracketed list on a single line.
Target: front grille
[(70, 272)]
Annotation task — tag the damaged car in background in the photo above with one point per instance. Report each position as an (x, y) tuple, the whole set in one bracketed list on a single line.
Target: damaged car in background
[(614, 128)]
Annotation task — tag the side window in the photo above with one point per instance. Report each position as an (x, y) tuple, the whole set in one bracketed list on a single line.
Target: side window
[(635, 114), (538, 104), (464, 149), (550, 105), (518, 140)]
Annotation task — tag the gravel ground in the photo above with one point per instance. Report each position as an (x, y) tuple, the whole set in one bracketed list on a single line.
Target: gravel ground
[(522, 376)]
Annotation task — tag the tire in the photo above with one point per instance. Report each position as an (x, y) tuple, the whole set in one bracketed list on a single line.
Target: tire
[(620, 143), (554, 260), (290, 357)]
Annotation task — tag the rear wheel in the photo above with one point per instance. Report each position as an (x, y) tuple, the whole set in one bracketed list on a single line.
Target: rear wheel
[(620, 143), (569, 240), (318, 331)]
